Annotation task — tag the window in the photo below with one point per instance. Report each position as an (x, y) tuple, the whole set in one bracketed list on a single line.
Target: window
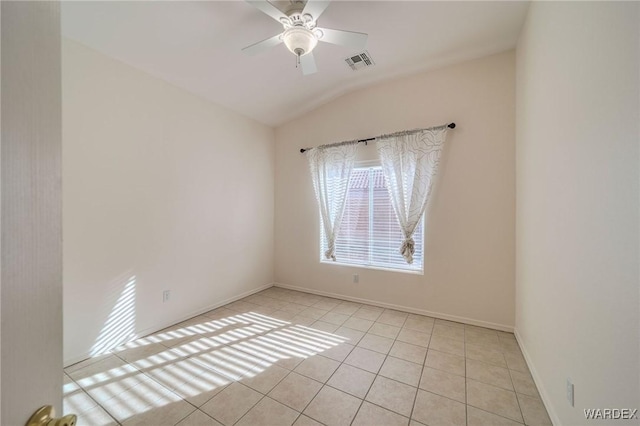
[(370, 235)]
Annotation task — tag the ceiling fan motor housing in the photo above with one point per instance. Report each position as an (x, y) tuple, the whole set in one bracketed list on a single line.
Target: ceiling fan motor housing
[(299, 40)]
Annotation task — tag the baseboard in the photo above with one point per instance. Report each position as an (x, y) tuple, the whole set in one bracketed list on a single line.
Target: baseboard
[(162, 326), (546, 400), (439, 315)]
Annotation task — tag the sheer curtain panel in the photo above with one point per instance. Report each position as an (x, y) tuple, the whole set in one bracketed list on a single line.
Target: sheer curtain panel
[(410, 162), (331, 168)]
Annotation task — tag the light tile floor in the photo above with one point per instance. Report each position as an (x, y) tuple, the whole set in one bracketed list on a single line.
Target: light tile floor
[(283, 357)]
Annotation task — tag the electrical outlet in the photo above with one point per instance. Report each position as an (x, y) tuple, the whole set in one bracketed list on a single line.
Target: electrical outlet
[(166, 295), (356, 278), (570, 392)]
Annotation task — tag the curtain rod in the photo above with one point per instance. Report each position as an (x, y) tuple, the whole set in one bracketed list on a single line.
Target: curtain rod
[(450, 125)]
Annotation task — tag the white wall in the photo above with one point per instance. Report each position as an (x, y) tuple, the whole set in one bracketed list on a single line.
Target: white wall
[(577, 204), (469, 265), (31, 261), (162, 190)]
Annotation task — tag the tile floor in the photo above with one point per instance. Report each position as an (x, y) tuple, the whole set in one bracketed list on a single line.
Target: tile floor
[(283, 357)]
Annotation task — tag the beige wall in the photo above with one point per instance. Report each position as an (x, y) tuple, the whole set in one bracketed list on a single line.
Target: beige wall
[(577, 204), (469, 265), (162, 191), (31, 261)]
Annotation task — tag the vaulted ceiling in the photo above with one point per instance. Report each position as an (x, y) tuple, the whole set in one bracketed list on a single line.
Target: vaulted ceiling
[(197, 46)]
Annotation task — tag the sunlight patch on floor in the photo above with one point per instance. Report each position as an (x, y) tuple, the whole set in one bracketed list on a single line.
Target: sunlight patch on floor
[(197, 357)]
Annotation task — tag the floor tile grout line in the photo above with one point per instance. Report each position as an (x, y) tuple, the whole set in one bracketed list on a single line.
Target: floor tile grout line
[(464, 344), (264, 395), (442, 396), (415, 398), (368, 402), (197, 409), (250, 408), (466, 406), (326, 383), (302, 375), (371, 385), (190, 413), (114, 396), (311, 400), (495, 414), (362, 401), (342, 362), (165, 387), (94, 400), (517, 399), (424, 365), (380, 369), (502, 348), (386, 357), (512, 389)]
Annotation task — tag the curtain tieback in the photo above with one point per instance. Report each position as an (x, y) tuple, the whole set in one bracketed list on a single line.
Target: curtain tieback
[(407, 249), (330, 253)]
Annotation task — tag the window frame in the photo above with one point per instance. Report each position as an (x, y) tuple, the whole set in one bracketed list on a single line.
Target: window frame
[(369, 165)]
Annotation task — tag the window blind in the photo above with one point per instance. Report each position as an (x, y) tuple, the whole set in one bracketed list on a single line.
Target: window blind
[(370, 235)]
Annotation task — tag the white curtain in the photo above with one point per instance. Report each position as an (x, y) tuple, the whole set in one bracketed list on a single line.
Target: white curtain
[(410, 162), (331, 168)]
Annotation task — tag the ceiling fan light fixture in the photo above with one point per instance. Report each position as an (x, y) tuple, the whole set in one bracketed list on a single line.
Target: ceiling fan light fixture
[(299, 40)]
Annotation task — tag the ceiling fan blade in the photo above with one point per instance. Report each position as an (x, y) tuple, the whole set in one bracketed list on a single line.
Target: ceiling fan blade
[(350, 39), (269, 9), (263, 45), (308, 64), (315, 8)]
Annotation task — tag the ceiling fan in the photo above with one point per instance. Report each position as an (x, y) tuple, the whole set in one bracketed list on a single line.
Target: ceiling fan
[(301, 33)]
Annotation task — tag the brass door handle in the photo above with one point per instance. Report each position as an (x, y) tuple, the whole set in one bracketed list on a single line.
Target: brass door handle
[(45, 416)]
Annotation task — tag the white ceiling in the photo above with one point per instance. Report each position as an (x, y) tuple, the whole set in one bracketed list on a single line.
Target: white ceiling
[(196, 46)]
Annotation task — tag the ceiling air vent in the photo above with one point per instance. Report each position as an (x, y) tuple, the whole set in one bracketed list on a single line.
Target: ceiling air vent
[(360, 60)]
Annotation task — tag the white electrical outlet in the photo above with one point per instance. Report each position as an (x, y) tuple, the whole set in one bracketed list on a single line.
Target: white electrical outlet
[(166, 295), (356, 278), (570, 392)]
